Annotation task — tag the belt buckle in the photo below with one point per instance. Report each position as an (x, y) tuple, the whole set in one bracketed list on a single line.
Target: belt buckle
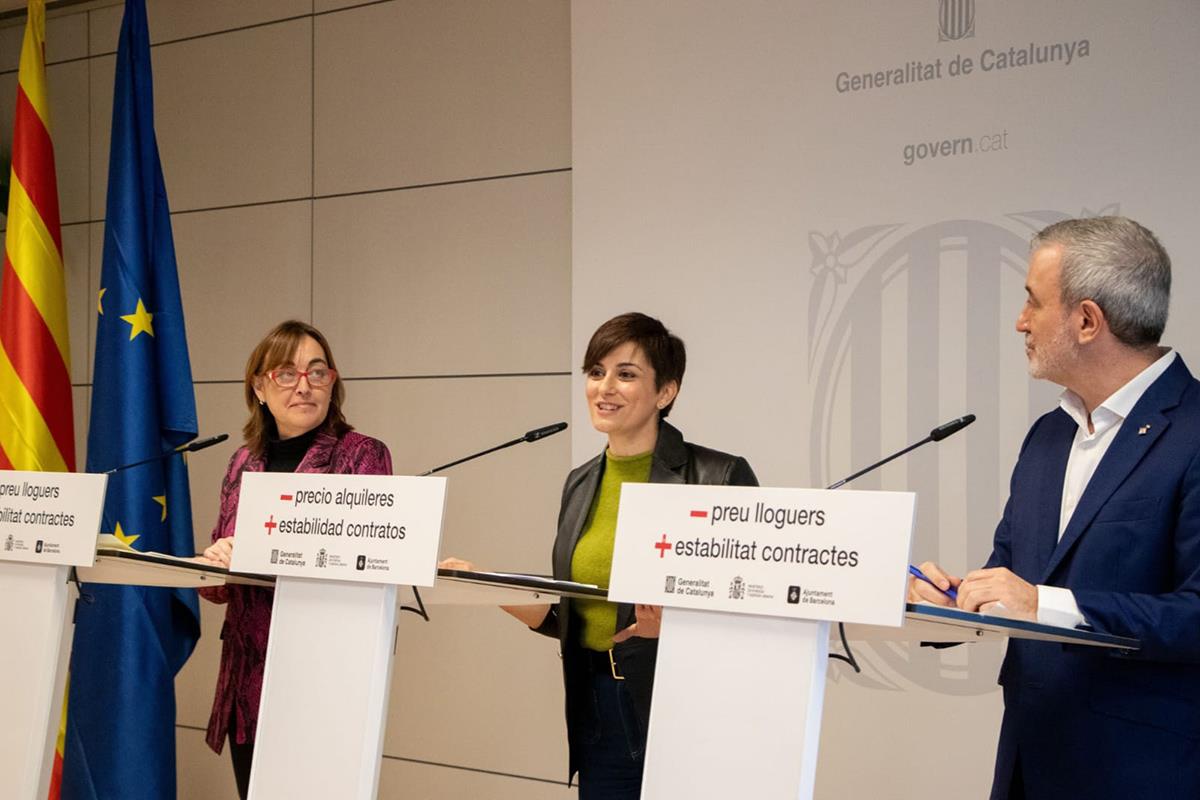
[(612, 665)]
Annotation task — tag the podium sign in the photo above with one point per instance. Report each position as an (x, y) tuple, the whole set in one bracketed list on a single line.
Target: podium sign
[(50, 517), (359, 528), (803, 553)]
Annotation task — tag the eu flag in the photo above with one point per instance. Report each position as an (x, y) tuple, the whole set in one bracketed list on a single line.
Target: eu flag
[(130, 641)]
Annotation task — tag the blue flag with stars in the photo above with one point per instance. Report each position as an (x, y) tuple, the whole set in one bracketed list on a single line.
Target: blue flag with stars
[(130, 641)]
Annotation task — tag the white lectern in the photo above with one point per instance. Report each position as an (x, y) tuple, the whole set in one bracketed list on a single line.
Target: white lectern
[(33, 610), (750, 579), (339, 545), (48, 522)]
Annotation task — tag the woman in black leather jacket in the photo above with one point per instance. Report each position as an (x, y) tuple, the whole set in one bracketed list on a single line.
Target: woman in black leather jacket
[(634, 369)]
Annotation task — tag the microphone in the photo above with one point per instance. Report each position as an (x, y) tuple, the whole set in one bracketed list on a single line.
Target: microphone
[(189, 447), (542, 433), (936, 435), (950, 428), (530, 436)]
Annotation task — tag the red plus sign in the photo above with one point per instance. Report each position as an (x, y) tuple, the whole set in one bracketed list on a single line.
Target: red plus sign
[(662, 546), (271, 525)]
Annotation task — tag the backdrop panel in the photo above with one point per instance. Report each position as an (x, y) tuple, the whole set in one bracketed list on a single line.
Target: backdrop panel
[(834, 211)]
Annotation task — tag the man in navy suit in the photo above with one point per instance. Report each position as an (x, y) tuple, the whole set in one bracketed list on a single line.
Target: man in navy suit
[(1101, 528)]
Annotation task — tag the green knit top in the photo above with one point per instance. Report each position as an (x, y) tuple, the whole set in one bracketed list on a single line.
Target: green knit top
[(592, 560)]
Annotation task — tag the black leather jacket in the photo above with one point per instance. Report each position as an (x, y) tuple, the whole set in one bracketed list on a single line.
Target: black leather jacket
[(675, 461)]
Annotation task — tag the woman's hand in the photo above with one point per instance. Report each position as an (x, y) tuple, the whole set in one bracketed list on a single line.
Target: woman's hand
[(458, 564), (649, 622), (533, 616), (219, 552)]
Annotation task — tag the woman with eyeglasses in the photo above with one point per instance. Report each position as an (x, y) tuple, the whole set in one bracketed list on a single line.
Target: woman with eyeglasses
[(296, 425), (633, 369)]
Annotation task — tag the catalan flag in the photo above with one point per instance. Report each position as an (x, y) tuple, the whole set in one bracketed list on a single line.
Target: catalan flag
[(131, 641), (37, 429)]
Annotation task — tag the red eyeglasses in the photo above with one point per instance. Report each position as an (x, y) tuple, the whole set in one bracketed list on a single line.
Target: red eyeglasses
[(288, 377)]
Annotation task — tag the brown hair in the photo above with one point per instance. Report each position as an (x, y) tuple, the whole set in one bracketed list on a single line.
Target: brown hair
[(664, 350), (275, 350)]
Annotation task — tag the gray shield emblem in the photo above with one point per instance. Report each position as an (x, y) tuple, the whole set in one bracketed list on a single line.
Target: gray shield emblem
[(908, 325), (956, 20)]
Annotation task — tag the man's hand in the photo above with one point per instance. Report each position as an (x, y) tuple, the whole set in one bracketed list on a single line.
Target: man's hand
[(920, 591), (982, 589)]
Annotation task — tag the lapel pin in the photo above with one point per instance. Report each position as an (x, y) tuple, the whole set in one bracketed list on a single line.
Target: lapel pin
[(1142, 431)]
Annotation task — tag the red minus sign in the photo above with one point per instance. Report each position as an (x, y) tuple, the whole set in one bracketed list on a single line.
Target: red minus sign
[(699, 513), (285, 497)]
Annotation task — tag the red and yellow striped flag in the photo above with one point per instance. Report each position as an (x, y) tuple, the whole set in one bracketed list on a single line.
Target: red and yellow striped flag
[(37, 428)]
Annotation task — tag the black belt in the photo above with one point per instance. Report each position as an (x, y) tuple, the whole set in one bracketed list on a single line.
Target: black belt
[(602, 662)]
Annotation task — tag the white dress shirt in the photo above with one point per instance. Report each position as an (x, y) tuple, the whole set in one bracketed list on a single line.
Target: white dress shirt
[(1056, 605)]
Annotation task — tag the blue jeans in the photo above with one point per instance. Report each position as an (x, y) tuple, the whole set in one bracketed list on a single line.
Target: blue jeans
[(612, 749)]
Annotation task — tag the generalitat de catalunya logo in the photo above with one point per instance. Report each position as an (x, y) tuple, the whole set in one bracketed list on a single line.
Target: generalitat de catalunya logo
[(956, 20), (884, 296)]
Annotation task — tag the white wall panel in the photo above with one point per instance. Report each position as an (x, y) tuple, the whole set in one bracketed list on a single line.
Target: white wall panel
[(92, 307), (176, 19), (80, 404), (196, 683), (220, 408), (322, 6), (470, 278), (76, 255), (476, 688), (436, 90), (69, 128), (202, 774), (232, 115), (257, 260), (66, 37), (501, 510)]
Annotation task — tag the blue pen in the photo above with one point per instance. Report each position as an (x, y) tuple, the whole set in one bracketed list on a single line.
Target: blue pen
[(952, 593)]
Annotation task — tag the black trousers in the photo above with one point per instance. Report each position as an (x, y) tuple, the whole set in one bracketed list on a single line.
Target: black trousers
[(242, 756), (611, 749)]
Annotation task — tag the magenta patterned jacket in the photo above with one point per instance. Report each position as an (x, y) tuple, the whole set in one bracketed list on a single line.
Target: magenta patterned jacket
[(248, 617)]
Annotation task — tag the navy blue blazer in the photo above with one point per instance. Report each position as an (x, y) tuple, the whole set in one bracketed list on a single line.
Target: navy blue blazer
[(1080, 722)]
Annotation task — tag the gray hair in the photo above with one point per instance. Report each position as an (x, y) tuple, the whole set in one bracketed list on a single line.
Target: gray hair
[(1120, 266)]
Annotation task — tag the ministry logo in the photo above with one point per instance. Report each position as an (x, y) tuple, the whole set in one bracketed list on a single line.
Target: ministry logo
[(737, 588), (956, 20), (670, 586), (322, 559), (37, 548), (274, 555), (8, 542)]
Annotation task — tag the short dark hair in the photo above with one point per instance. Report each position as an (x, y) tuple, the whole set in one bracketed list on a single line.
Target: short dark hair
[(663, 349), (276, 349), (1119, 265)]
